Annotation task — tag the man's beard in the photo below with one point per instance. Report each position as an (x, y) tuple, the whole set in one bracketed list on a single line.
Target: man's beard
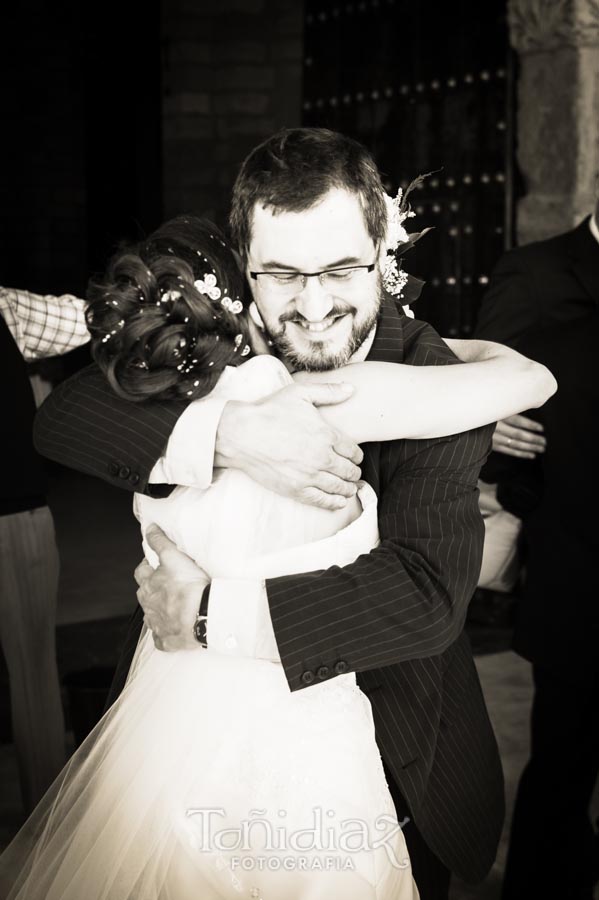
[(318, 359)]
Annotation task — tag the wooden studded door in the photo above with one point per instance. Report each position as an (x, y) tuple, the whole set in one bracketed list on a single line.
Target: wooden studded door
[(428, 87)]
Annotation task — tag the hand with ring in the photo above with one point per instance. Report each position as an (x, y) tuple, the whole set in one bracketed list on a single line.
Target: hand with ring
[(519, 436)]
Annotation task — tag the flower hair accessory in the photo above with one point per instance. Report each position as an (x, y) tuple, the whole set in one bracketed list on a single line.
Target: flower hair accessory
[(232, 306), (208, 286), (238, 343), (398, 241)]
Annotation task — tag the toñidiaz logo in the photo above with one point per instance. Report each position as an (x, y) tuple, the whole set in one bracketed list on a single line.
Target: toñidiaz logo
[(261, 841)]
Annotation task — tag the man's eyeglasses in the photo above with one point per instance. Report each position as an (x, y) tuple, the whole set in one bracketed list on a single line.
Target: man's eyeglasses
[(291, 283)]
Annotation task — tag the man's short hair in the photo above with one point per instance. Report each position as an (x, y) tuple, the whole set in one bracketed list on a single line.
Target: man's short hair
[(295, 168)]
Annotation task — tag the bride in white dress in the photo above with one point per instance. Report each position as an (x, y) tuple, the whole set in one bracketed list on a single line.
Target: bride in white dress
[(207, 778)]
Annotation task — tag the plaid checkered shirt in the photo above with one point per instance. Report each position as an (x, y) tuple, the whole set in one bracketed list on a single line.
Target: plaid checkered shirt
[(44, 325)]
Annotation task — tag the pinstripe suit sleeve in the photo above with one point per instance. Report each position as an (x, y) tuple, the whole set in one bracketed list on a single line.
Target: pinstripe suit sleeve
[(85, 426), (407, 599)]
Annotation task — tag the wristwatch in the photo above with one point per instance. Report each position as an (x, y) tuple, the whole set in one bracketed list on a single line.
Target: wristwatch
[(201, 620)]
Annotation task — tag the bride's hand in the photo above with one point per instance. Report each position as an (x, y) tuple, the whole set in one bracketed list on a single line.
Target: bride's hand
[(170, 595)]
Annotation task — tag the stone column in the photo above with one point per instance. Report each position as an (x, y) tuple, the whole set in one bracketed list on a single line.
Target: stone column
[(557, 42)]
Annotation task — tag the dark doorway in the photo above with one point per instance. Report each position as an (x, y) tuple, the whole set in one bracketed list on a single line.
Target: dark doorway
[(81, 107), (123, 123)]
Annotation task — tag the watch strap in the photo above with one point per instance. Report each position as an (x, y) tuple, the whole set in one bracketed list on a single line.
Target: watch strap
[(200, 625)]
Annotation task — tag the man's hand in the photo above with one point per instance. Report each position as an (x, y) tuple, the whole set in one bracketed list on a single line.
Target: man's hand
[(171, 594), (519, 436), (283, 443)]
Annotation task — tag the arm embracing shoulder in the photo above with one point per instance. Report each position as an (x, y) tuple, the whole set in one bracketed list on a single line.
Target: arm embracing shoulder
[(393, 401)]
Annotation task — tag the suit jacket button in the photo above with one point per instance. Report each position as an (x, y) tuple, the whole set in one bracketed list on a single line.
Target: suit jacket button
[(307, 677), (113, 468), (341, 667), (134, 479), (124, 472), (323, 672)]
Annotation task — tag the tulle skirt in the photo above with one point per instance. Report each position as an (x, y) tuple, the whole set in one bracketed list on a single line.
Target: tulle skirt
[(208, 779)]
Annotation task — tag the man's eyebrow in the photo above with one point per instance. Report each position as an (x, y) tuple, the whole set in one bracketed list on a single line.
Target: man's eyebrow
[(339, 263)]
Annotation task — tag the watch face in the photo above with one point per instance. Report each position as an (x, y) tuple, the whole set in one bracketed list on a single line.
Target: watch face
[(199, 630)]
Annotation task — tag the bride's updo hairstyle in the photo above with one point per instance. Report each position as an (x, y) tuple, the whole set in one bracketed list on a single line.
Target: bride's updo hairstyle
[(168, 315)]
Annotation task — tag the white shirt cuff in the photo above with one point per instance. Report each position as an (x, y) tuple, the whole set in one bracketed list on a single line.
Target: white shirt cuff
[(239, 622), (189, 456)]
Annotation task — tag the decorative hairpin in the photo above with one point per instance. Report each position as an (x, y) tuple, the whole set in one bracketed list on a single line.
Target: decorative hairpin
[(109, 334), (232, 306), (170, 297), (208, 286), (189, 362), (238, 343)]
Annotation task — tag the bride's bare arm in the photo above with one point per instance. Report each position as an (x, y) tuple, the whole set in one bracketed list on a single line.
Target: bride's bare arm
[(393, 401)]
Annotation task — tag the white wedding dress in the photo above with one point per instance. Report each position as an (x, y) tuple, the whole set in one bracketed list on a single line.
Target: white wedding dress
[(208, 779)]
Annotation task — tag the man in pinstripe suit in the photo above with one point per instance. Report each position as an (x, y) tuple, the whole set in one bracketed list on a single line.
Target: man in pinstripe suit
[(305, 202)]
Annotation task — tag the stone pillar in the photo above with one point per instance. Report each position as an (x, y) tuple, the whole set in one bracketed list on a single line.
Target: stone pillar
[(557, 42)]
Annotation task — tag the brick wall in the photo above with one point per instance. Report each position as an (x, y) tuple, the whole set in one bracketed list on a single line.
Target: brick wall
[(81, 117), (107, 131), (231, 76), (42, 176)]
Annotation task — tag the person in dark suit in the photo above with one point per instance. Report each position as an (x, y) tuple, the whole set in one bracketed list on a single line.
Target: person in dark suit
[(555, 280), (396, 615), (544, 301), (533, 286), (557, 624)]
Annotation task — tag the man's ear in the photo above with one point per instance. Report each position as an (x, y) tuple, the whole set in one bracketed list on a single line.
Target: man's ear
[(258, 339), (255, 316)]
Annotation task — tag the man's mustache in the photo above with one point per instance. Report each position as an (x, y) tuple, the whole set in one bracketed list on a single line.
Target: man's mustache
[(295, 316)]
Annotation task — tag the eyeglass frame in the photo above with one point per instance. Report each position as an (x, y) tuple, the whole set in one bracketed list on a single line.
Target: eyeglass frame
[(305, 275)]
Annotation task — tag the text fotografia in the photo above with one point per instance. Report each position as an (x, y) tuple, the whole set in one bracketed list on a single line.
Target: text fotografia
[(258, 832), (294, 863)]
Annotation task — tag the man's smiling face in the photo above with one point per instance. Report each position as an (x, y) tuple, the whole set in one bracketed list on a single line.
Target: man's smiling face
[(318, 326)]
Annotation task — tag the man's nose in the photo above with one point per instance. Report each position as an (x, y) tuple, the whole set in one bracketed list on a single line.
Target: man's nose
[(314, 303)]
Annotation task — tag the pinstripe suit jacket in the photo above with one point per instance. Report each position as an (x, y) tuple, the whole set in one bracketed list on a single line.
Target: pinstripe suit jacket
[(395, 616)]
